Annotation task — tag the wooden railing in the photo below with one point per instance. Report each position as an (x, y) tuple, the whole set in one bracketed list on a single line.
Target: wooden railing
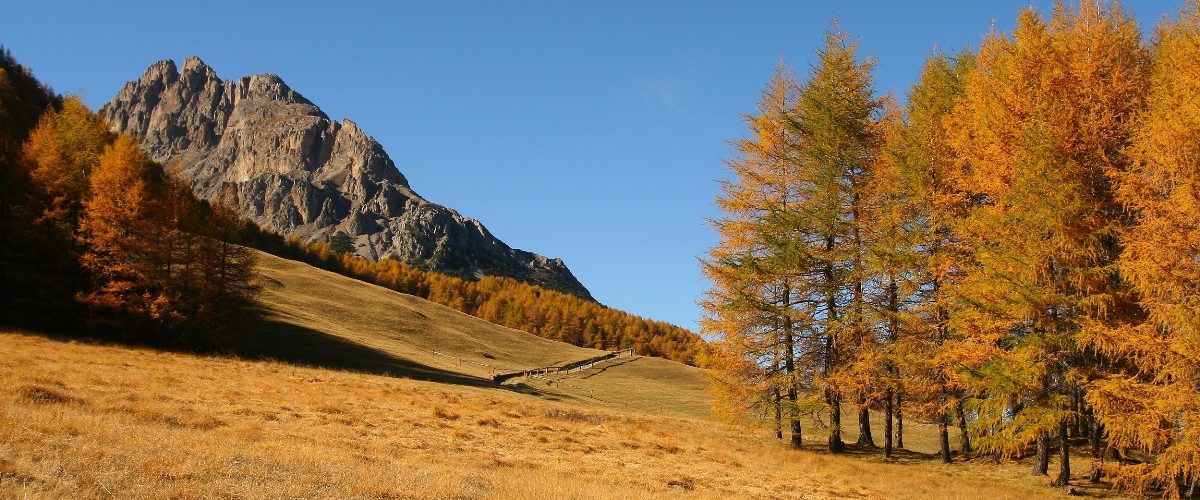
[(468, 361), (574, 366)]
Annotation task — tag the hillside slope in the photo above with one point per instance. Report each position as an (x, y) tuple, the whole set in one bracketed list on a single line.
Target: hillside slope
[(321, 318), (92, 421)]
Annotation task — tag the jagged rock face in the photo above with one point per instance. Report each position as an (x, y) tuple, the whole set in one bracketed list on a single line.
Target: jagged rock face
[(259, 146)]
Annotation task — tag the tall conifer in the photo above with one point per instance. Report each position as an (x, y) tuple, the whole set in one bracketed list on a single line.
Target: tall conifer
[(836, 146), (751, 305), (1151, 402), (916, 169), (1039, 135)]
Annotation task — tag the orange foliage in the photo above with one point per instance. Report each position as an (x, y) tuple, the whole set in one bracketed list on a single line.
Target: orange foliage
[(162, 264)]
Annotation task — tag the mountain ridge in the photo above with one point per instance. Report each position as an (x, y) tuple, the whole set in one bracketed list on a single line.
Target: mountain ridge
[(259, 146)]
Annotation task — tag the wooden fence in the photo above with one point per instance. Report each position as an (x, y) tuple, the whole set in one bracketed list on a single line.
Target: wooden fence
[(574, 366), (468, 361)]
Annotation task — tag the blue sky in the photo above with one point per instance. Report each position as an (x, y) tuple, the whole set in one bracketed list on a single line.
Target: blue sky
[(589, 131)]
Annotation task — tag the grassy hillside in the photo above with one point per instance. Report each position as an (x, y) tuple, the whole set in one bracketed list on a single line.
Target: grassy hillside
[(301, 300), (505, 301), (80, 420), (319, 318)]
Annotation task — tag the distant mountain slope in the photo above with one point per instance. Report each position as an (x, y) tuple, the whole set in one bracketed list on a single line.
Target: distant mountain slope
[(265, 149)]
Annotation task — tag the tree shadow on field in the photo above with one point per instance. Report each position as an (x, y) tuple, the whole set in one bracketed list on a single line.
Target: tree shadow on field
[(875, 453), (267, 338), (900, 455), (529, 390), (610, 365)]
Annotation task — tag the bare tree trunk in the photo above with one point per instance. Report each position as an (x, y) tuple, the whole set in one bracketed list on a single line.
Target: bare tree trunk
[(944, 439), (899, 420), (832, 398), (790, 366), (887, 424), (1064, 455), (776, 394), (864, 427), (835, 422), (1041, 465), (962, 427), (893, 338)]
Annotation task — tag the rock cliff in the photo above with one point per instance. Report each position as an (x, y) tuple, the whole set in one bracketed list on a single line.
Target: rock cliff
[(256, 144)]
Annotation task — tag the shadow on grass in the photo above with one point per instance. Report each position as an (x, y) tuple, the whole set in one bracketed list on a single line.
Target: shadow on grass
[(261, 337), (874, 453), (529, 390), (610, 365), (267, 338)]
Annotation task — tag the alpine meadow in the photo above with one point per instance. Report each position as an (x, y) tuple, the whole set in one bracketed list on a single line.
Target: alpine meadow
[(972, 277)]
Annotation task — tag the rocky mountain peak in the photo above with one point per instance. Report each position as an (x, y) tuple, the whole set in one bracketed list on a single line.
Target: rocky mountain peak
[(258, 145)]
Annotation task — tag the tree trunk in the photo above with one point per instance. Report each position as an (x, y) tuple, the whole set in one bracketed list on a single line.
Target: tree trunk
[(1084, 409), (899, 420), (944, 439), (833, 399), (797, 431), (864, 428), (1041, 465), (778, 414), (1089, 423), (797, 434), (887, 425), (962, 428), (1064, 455), (893, 338), (1097, 432), (1075, 408), (835, 422), (790, 366)]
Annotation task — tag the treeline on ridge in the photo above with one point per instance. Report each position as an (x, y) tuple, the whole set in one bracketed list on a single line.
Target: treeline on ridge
[(501, 300), (1014, 252)]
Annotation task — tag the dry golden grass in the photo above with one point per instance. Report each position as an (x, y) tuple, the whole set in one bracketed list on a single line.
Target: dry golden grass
[(306, 302), (639, 383), (84, 420)]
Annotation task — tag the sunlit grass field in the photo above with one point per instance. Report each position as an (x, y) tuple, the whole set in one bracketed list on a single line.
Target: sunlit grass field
[(85, 420)]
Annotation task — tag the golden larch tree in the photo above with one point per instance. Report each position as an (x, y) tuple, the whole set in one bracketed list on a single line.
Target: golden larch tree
[(750, 307), (916, 170), (116, 233), (1039, 135), (1151, 402)]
